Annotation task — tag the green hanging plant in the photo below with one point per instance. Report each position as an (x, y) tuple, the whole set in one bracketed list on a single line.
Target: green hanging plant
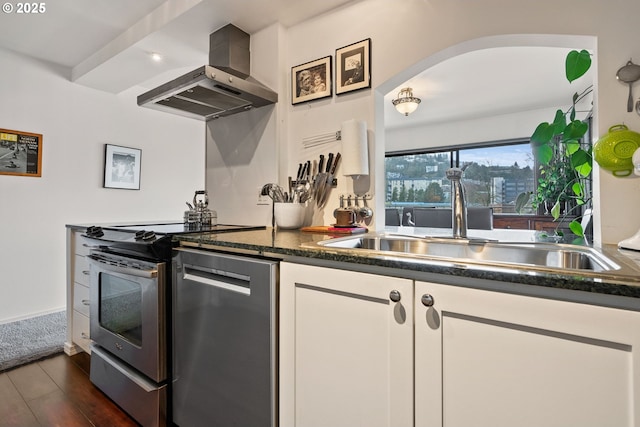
[(565, 161)]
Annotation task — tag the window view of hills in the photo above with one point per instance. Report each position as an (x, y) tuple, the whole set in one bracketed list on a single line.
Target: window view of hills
[(493, 176)]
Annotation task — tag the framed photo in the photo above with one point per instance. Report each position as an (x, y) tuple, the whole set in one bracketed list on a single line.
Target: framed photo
[(353, 67), (121, 167), (20, 153), (311, 81)]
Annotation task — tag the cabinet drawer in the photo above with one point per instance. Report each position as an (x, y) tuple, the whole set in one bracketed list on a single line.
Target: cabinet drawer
[(81, 270), (81, 331), (79, 244), (81, 299)]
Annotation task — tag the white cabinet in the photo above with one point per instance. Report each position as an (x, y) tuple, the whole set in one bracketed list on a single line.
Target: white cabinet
[(494, 359), (346, 349), (349, 356), (77, 294)]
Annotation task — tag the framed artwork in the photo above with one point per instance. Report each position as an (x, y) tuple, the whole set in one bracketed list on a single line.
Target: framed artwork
[(353, 67), (311, 81), (122, 167), (20, 153)]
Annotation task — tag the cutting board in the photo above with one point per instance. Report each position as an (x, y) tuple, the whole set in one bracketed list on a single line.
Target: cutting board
[(334, 230)]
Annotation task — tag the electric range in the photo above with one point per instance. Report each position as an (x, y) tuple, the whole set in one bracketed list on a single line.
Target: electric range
[(153, 241), (131, 293)]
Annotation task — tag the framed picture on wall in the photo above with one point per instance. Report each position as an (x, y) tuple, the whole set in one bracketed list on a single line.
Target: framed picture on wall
[(122, 167), (20, 153), (311, 81), (353, 67)]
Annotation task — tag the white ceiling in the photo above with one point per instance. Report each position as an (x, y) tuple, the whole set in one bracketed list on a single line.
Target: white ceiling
[(106, 44), (488, 83)]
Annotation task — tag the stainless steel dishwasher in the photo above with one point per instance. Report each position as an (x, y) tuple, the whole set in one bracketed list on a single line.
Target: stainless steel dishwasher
[(224, 340)]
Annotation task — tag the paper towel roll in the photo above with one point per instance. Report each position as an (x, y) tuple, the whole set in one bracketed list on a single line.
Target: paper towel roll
[(635, 159), (355, 151)]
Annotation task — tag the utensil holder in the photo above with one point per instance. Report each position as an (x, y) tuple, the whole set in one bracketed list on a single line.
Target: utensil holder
[(289, 215)]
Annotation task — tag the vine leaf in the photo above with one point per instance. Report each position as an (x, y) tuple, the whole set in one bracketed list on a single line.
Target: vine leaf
[(543, 153), (555, 210), (577, 64), (576, 228), (577, 189), (575, 130), (543, 134)]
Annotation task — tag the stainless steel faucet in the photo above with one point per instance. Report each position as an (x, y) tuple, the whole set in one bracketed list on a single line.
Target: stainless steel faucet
[(458, 204)]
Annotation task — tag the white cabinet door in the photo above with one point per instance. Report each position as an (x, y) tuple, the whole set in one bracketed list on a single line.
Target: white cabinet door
[(493, 359), (346, 349), (81, 270), (81, 299), (81, 331)]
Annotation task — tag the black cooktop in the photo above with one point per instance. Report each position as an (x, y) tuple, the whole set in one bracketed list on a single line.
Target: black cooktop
[(181, 228), (150, 240)]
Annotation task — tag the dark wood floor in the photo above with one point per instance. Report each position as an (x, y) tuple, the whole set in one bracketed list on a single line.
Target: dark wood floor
[(56, 392)]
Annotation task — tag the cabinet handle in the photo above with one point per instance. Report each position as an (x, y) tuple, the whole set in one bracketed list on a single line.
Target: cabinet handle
[(84, 336), (85, 272), (394, 296), (86, 302), (427, 300)]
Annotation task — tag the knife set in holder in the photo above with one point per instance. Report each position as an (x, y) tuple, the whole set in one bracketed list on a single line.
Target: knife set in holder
[(321, 178), (199, 216)]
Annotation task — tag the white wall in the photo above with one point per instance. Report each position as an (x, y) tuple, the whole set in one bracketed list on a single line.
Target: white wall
[(76, 122), (406, 32), (243, 150), (496, 128)]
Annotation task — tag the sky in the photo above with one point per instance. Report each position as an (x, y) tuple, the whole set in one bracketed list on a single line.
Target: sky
[(499, 156)]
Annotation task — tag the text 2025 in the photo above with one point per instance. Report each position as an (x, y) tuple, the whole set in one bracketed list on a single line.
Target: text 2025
[(31, 7)]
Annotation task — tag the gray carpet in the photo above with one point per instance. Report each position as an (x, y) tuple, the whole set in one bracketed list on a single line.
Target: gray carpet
[(28, 340)]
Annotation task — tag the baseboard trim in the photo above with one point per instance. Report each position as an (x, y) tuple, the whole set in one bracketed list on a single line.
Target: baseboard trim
[(29, 316), (72, 349)]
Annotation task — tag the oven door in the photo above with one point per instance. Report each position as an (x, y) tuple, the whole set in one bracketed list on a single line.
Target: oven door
[(128, 312)]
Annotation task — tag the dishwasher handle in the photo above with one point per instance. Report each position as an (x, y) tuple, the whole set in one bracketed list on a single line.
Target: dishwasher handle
[(218, 278)]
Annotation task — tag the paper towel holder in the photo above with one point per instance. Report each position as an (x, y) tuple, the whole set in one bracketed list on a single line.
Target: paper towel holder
[(355, 150)]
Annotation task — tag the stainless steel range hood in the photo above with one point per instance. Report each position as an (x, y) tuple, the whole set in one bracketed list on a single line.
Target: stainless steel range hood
[(220, 89)]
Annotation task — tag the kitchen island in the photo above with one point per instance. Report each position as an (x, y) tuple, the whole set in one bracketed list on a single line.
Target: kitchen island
[(380, 340), (375, 339)]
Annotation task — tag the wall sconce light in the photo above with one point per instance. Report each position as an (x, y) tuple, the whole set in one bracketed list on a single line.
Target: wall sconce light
[(406, 103)]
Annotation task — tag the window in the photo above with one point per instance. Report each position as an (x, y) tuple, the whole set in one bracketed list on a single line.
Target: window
[(494, 176)]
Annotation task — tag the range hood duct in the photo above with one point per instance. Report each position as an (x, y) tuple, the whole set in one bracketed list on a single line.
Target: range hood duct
[(220, 89)]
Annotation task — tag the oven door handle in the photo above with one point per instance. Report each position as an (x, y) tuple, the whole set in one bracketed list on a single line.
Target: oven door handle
[(147, 274)]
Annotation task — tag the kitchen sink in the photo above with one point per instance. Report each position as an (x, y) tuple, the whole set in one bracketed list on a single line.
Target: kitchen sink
[(537, 254)]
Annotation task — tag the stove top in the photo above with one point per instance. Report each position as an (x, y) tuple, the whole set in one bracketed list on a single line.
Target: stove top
[(150, 239), (181, 228)]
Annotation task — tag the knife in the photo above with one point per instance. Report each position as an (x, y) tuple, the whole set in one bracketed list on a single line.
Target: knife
[(318, 178), (329, 181), (299, 172), (329, 161), (322, 181), (321, 164)]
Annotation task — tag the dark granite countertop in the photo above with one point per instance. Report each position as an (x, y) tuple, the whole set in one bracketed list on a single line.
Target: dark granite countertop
[(287, 245)]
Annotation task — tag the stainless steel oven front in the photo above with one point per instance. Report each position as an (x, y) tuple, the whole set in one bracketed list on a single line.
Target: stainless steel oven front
[(128, 329), (128, 311)]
